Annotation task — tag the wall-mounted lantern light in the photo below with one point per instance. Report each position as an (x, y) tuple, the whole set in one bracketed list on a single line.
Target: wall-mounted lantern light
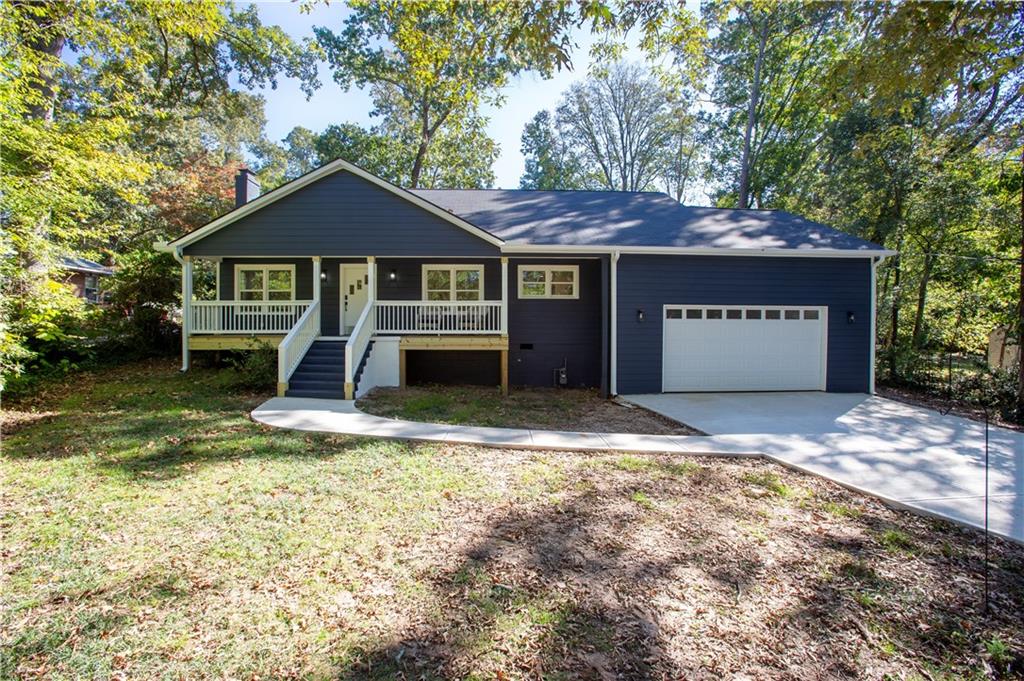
[(323, 276), (640, 316), (393, 275), (850, 318)]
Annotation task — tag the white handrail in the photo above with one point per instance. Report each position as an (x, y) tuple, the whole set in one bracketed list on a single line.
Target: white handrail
[(246, 316), (440, 316), (357, 343), (294, 346)]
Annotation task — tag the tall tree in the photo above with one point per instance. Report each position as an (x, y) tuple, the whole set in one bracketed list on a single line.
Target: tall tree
[(428, 64), (550, 162), (769, 62), (617, 121), (87, 89)]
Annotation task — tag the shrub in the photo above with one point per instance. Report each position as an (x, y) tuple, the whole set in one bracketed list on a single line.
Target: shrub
[(254, 369)]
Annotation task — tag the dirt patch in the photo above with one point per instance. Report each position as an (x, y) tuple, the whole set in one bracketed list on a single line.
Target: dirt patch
[(941, 404), (660, 567), (540, 408)]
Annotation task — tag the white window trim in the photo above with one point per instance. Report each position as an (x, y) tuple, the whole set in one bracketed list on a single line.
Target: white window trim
[(239, 268), (451, 285), (548, 269)]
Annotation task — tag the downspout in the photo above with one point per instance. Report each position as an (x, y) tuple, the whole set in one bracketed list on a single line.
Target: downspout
[(613, 364)]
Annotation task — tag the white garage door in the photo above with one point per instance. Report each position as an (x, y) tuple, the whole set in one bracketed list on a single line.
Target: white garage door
[(710, 347)]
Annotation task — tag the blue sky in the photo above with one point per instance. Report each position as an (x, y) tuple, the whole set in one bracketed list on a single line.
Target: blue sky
[(287, 106)]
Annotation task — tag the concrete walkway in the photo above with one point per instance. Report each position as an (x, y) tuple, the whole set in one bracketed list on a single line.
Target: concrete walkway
[(910, 457)]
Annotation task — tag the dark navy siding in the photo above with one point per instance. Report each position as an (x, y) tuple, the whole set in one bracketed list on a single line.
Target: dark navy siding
[(341, 215), (303, 275), (559, 330), (648, 282), (408, 283)]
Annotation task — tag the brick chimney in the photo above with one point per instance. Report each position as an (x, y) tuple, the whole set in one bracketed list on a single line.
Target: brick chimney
[(247, 187)]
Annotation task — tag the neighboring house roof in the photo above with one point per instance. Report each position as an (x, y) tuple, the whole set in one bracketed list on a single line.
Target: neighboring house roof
[(632, 219), (76, 264), (595, 221)]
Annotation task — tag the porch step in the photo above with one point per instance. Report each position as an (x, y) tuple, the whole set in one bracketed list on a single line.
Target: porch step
[(321, 373)]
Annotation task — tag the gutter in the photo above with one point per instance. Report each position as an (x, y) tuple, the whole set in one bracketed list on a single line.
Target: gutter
[(164, 247)]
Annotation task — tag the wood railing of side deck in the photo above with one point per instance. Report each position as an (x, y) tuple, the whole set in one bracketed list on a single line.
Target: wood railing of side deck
[(294, 346), (356, 347), (464, 317)]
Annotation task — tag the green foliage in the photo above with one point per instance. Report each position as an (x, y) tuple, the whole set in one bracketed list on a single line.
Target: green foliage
[(550, 162), (430, 66), (115, 118), (254, 369), (620, 130)]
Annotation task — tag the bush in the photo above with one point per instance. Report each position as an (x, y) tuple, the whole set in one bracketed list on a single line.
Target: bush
[(996, 389), (44, 335), (254, 369), (143, 297)]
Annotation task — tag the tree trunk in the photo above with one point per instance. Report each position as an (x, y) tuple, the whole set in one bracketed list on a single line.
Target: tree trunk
[(748, 133), (51, 44), (417, 164), (894, 319), (1020, 305), (922, 298)]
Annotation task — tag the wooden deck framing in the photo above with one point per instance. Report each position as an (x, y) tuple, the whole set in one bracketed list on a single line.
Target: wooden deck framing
[(495, 343), (226, 342)]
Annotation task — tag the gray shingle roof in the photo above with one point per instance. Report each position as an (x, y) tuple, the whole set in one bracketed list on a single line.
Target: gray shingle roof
[(631, 219), (77, 264)]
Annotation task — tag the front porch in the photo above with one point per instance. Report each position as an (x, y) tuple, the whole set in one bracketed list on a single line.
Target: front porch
[(353, 304)]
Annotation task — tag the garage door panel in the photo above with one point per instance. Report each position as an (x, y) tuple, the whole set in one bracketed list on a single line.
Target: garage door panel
[(784, 352)]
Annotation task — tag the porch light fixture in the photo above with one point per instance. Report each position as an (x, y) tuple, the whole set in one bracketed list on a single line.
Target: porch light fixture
[(640, 316), (323, 276), (850, 318), (393, 275)]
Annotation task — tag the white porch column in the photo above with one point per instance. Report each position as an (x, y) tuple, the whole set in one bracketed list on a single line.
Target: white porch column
[(186, 308), (371, 280), (504, 296), (316, 278)]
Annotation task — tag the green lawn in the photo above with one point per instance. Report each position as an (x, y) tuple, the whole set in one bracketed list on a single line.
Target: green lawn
[(151, 530), (572, 409)]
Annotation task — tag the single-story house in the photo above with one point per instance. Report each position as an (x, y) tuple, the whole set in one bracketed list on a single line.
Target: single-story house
[(360, 283), (85, 277)]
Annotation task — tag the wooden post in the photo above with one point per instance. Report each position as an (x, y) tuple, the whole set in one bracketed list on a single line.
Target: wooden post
[(401, 368), (186, 308), (504, 373)]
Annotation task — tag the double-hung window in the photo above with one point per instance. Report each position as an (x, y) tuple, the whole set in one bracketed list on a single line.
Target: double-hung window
[(453, 282), (92, 288), (264, 282), (549, 281)]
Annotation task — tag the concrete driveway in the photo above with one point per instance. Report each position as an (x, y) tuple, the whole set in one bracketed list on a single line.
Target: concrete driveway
[(907, 455)]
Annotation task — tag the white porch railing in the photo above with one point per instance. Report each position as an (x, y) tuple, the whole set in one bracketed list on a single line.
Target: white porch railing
[(244, 316), (294, 346), (356, 346), (439, 317)]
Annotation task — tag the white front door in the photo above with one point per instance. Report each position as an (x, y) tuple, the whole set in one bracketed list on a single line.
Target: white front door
[(354, 291), (744, 348)]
